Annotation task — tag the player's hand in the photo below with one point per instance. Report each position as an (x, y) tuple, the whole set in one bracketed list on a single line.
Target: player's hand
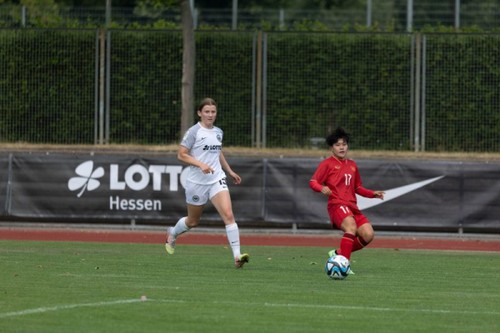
[(379, 194), (326, 191), (236, 177), (206, 169)]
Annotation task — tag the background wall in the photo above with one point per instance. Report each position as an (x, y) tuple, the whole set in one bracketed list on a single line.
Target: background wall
[(124, 189)]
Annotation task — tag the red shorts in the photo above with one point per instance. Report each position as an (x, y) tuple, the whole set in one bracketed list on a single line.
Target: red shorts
[(339, 212)]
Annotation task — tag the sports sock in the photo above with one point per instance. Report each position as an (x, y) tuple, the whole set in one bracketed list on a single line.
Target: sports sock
[(233, 236), (358, 244), (180, 227), (346, 245)]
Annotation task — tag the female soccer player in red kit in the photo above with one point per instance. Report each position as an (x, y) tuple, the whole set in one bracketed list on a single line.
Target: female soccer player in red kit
[(338, 178)]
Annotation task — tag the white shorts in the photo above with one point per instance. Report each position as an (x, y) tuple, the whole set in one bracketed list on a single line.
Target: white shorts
[(198, 195)]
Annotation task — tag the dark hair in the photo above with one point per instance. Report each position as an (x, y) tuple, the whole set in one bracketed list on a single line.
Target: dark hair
[(206, 101), (336, 135)]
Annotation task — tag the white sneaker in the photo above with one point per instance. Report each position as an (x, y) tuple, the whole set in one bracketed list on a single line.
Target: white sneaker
[(332, 253), (170, 242), (239, 262)]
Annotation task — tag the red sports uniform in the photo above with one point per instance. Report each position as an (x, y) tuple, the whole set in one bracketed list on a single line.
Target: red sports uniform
[(344, 180)]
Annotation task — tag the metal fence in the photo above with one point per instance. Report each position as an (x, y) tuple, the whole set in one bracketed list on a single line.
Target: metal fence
[(125, 88), (398, 16)]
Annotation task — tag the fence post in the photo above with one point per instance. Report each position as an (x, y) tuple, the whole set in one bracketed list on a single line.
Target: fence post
[(369, 13), (234, 25), (457, 14), (264, 90), (258, 93), (96, 88), (409, 15), (418, 62), (23, 16), (422, 94), (107, 78), (108, 14), (102, 82)]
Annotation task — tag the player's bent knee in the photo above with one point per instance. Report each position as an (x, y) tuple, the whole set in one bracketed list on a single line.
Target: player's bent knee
[(191, 223)]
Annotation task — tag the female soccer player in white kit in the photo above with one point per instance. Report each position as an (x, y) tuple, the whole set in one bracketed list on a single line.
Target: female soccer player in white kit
[(201, 149)]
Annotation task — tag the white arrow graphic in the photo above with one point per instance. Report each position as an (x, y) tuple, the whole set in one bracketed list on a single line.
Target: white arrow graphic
[(364, 203)]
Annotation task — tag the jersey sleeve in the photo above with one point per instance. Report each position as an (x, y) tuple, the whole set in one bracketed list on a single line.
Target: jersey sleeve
[(189, 138), (317, 180), (359, 189), (364, 192)]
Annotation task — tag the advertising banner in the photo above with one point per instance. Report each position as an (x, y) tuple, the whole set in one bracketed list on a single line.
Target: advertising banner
[(419, 194), (111, 187), (4, 182), (95, 187), (124, 188)]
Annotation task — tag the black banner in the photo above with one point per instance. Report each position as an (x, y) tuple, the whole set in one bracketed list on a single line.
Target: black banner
[(4, 183), (419, 194)]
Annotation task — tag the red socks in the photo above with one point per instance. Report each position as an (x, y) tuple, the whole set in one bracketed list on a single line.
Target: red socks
[(359, 243), (346, 245), (350, 243)]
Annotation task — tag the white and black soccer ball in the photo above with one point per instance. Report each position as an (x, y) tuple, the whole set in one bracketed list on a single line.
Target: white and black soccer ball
[(337, 267)]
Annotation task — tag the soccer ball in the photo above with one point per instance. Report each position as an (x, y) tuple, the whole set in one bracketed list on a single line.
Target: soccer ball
[(337, 267)]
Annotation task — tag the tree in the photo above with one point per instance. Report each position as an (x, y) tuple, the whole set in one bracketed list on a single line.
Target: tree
[(188, 63)]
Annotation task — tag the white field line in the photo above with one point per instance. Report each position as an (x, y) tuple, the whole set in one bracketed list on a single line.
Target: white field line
[(369, 308), (347, 307), (66, 307), (283, 305)]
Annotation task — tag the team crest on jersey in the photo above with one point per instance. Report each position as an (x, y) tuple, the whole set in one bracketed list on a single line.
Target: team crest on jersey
[(196, 198), (219, 137), (353, 168), (337, 167)]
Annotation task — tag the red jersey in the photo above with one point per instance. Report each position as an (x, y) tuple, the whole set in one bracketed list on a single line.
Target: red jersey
[(342, 178)]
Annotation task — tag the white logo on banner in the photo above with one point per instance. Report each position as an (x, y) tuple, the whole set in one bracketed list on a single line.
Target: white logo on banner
[(364, 203), (136, 177), (86, 179)]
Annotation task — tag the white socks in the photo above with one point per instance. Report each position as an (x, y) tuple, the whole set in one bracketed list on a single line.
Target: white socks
[(232, 232), (233, 236), (180, 227)]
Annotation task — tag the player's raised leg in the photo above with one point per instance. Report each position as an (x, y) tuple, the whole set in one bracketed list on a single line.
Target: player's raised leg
[(172, 233)]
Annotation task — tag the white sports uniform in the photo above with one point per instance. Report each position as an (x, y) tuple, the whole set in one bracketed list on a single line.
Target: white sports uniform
[(205, 145)]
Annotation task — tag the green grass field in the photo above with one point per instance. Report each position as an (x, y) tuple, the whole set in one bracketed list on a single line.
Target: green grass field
[(94, 287)]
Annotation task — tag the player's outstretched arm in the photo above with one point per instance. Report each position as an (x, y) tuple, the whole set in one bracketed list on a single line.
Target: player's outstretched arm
[(236, 178)]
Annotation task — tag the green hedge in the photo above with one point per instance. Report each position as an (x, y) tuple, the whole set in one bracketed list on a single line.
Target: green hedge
[(360, 82), (146, 72), (146, 69), (47, 86), (315, 82), (465, 116)]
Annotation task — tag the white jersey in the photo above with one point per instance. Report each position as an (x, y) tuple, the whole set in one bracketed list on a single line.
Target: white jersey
[(205, 145)]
